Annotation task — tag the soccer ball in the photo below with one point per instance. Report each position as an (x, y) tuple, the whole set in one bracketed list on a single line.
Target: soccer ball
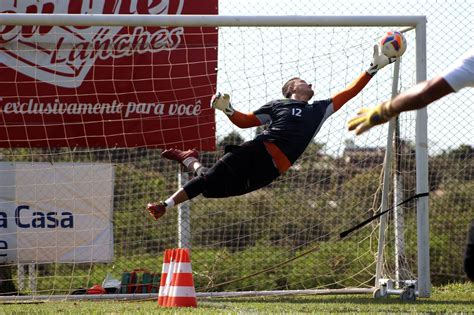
[(393, 44)]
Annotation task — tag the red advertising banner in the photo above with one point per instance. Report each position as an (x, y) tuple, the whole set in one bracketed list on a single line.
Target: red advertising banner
[(107, 86)]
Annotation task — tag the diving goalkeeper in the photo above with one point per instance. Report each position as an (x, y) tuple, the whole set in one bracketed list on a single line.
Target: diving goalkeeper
[(293, 123)]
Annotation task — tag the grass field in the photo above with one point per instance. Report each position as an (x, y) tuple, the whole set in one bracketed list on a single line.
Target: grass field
[(454, 298)]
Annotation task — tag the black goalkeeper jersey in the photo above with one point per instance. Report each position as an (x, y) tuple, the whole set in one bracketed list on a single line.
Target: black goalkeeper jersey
[(293, 124)]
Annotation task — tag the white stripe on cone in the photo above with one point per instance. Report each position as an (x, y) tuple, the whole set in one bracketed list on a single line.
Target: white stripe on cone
[(178, 291), (177, 267), (165, 290)]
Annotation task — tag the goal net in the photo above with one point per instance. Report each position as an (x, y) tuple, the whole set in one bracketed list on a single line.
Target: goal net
[(86, 111)]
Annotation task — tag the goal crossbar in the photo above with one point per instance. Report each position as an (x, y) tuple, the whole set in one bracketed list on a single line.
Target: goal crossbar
[(206, 20)]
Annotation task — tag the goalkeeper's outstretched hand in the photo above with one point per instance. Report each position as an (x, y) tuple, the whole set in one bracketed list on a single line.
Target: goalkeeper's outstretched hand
[(222, 102), (369, 117), (379, 61)]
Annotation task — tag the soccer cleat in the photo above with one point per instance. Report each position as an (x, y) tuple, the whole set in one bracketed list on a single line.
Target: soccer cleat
[(156, 210), (180, 156)]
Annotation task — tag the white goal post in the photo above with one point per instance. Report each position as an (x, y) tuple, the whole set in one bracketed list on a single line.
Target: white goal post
[(421, 145), (208, 20)]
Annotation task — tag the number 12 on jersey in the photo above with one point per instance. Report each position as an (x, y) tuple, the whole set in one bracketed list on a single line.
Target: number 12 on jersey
[(296, 112)]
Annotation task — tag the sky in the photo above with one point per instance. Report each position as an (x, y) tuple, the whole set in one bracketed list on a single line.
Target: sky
[(254, 63)]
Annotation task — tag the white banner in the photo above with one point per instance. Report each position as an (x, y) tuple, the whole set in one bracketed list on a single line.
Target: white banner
[(58, 212)]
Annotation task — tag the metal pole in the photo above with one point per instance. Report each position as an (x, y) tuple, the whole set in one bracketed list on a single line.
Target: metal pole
[(184, 218), (384, 206), (424, 281), (21, 277), (32, 277), (399, 221), (205, 20)]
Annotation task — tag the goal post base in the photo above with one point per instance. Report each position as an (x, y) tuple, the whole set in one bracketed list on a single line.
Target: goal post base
[(408, 289)]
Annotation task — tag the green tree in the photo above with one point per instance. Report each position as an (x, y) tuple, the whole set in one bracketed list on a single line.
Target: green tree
[(233, 138), (463, 152)]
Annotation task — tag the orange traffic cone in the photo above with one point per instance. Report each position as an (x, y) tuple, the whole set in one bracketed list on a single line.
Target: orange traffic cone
[(177, 285)]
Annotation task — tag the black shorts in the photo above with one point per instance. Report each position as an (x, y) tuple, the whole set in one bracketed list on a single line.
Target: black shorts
[(246, 168)]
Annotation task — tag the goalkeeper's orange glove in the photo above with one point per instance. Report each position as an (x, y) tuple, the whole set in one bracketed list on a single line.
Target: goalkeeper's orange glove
[(369, 117)]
